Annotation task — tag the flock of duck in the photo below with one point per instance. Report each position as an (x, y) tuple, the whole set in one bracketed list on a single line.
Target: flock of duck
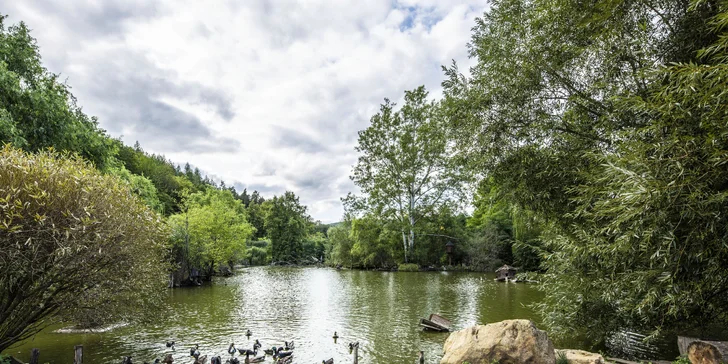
[(280, 355)]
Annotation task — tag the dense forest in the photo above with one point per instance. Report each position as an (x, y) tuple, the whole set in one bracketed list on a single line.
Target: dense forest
[(590, 142)]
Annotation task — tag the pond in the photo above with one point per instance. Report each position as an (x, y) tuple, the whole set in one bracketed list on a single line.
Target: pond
[(380, 310)]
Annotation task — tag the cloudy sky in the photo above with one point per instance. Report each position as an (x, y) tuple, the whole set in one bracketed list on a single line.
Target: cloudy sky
[(267, 95)]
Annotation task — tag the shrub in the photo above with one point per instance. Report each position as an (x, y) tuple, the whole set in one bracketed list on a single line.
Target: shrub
[(75, 245)]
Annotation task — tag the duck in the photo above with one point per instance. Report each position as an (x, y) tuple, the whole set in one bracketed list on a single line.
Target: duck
[(270, 351), (194, 351), (248, 351), (168, 359), (231, 349), (233, 361), (289, 345), (282, 354), (170, 344), (248, 333), (336, 336), (156, 361), (216, 360), (126, 360), (330, 361), (200, 360), (257, 345), (421, 359), (286, 360), (256, 359)]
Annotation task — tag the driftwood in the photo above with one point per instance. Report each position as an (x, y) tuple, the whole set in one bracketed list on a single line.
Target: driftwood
[(436, 323)]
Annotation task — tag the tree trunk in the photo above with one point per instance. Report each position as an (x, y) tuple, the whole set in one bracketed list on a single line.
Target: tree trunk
[(404, 241)]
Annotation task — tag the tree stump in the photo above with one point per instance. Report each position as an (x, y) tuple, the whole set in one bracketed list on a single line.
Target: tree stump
[(700, 352)]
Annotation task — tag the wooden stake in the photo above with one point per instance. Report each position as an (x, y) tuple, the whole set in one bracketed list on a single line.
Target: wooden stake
[(34, 354), (78, 354)]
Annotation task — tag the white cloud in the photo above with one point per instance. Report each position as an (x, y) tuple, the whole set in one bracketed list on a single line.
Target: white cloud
[(263, 94)]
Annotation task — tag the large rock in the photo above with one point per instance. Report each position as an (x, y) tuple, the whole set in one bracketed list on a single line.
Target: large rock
[(701, 352), (510, 341), (581, 356)]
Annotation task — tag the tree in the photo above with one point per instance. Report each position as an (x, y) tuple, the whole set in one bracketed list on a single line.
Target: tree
[(212, 231), (648, 244), (286, 225), (36, 110), (76, 246), (258, 214), (405, 171), (544, 87), (574, 115), (140, 185), (341, 244)]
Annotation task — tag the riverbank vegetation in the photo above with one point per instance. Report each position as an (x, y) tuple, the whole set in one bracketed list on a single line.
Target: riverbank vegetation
[(599, 137)]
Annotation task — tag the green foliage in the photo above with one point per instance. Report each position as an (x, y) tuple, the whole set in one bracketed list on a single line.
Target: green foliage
[(404, 170), (36, 110), (681, 360), (314, 247), (614, 162), (258, 252), (286, 225), (648, 242), (212, 231), (140, 185), (408, 267), (77, 246), (341, 244), (373, 243)]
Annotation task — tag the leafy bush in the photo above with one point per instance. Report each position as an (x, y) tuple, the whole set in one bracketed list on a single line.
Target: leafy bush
[(76, 246), (408, 267)]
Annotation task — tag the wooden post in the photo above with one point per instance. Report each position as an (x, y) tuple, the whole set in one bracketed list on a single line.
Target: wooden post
[(34, 354), (78, 354)]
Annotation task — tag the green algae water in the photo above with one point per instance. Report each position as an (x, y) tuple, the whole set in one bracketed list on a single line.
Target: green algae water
[(380, 310)]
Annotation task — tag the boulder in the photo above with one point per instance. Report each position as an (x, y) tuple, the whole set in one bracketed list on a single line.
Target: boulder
[(580, 356), (510, 341), (701, 352)]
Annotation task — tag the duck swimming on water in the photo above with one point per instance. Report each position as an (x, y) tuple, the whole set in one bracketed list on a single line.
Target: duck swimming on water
[(336, 336), (231, 349), (289, 345), (248, 333), (170, 344), (282, 354), (195, 352)]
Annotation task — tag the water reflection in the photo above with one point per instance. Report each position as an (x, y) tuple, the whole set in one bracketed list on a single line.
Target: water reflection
[(380, 310)]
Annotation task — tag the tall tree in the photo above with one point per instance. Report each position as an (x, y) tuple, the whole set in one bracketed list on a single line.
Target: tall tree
[(286, 225), (405, 171)]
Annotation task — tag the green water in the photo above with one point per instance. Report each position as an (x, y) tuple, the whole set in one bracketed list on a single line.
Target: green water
[(380, 310)]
